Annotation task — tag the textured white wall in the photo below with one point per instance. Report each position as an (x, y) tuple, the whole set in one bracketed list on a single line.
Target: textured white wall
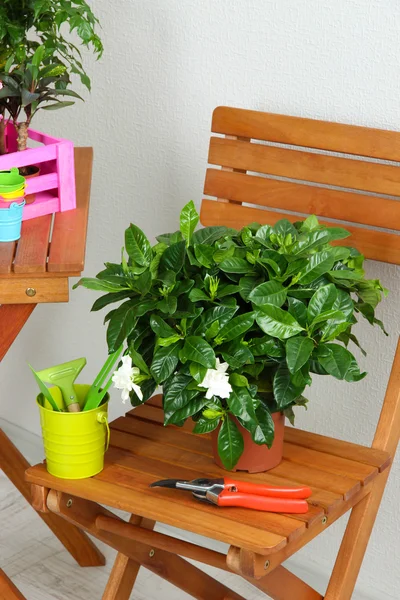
[(167, 64)]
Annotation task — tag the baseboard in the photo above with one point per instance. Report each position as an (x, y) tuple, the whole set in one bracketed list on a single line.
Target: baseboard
[(31, 447)]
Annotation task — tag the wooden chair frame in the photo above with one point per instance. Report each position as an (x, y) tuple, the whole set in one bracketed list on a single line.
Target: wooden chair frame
[(136, 542)]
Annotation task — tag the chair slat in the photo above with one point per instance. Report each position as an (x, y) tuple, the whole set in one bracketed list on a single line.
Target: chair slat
[(377, 245), (67, 252), (369, 456), (32, 249), (324, 202), (310, 133), (7, 250), (306, 166)]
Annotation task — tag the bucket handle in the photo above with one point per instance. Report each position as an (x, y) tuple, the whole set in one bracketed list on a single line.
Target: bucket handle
[(102, 418)]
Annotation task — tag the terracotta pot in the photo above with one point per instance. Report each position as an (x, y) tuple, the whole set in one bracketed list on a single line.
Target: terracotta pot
[(34, 171), (255, 458)]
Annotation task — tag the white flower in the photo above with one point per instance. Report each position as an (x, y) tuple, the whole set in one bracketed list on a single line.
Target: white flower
[(123, 379), (217, 381)]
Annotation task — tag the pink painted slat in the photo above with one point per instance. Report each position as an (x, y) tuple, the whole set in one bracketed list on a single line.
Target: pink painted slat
[(44, 204), (66, 176), (43, 138), (42, 183), (31, 156)]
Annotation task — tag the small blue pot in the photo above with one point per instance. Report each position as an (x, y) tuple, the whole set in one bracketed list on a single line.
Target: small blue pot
[(10, 221)]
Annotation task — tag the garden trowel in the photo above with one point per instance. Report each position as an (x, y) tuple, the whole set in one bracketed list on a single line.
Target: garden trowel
[(64, 376)]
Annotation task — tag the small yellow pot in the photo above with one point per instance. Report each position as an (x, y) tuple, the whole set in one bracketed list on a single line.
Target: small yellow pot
[(74, 443), (8, 196)]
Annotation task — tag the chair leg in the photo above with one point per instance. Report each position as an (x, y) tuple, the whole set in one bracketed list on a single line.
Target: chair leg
[(125, 570), (8, 591), (75, 541)]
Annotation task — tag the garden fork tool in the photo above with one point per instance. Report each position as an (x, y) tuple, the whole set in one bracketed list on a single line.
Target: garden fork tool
[(229, 492)]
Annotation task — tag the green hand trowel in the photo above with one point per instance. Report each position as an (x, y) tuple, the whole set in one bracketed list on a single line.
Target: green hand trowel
[(64, 376)]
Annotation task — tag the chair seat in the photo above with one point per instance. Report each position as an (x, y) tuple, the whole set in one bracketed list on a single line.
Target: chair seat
[(142, 450)]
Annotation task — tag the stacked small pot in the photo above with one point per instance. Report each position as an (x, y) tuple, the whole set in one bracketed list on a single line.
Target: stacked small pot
[(12, 202)]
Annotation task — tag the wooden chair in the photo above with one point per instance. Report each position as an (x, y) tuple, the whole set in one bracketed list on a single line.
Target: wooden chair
[(343, 476)]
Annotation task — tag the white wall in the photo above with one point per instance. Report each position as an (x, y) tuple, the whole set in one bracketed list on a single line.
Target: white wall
[(167, 64)]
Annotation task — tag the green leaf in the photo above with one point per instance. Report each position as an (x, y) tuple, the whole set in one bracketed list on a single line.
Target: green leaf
[(197, 371), (318, 264), (344, 303), (174, 257), (209, 235), (206, 426), (223, 254), (266, 424), (58, 105), (235, 265), (164, 362), (189, 409), (277, 322), (212, 331), (329, 315), (230, 443), (236, 355), (238, 380), (188, 221), (138, 360), (323, 300), (168, 305), (137, 246), (268, 346), (110, 298), (92, 283), (338, 361), (270, 292), (333, 330), (169, 340), (285, 392), (197, 295), (247, 285), (285, 227), (298, 310), (122, 322), (227, 290), (310, 224), (223, 314), (298, 351), (204, 254), (142, 283), (160, 327), (176, 394), (196, 349), (236, 327)]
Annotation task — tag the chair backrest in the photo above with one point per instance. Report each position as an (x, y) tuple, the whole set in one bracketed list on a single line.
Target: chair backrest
[(273, 163)]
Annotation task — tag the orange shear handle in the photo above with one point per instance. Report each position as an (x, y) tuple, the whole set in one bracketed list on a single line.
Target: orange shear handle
[(263, 503), (268, 490)]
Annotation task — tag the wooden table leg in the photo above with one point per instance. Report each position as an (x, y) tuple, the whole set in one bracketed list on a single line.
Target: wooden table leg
[(12, 319), (8, 591), (125, 570)]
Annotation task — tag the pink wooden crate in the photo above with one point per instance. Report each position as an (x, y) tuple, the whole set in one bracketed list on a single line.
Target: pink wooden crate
[(55, 186)]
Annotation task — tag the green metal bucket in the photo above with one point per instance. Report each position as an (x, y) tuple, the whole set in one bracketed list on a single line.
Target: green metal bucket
[(11, 181), (74, 442)]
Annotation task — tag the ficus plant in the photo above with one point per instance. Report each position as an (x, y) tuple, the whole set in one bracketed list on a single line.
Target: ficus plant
[(38, 56), (233, 324)]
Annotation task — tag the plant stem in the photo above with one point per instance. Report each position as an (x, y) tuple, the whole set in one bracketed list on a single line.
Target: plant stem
[(3, 124), (22, 130)]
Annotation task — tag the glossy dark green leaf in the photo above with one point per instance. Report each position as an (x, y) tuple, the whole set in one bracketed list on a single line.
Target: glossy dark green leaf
[(298, 310), (209, 235), (236, 327), (196, 349), (270, 292), (197, 295), (137, 245), (298, 351), (285, 227), (148, 387), (247, 285), (285, 392), (138, 360), (236, 355), (188, 221), (329, 315), (176, 394), (241, 405), (344, 303), (227, 290), (164, 362), (122, 322), (338, 361), (277, 322), (322, 301), (238, 380), (110, 299), (206, 425), (268, 346), (318, 264), (223, 314), (92, 283), (230, 443), (197, 371), (235, 265), (174, 257), (265, 424), (191, 408), (168, 305), (142, 284), (223, 253), (204, 254)]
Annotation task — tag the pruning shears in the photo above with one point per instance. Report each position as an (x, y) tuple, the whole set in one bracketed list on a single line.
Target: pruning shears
[(229, 492)]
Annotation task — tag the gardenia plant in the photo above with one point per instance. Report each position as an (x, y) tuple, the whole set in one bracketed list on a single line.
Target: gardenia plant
[(234, 323)]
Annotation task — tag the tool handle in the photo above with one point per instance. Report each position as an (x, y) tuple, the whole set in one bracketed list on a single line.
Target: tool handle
[(264, 503), (268, 490)]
